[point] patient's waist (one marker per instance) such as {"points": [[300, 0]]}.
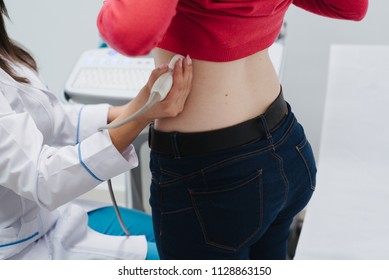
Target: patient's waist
{"points": [[209, 109], [224, 94]]}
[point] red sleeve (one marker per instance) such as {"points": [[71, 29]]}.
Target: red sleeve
{"points": [[341, 9], [134, 27]]}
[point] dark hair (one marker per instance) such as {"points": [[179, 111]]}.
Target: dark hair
{"points": [[10, 51]]}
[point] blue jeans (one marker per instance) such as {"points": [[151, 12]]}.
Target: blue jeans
{"points": [[235, 204]]}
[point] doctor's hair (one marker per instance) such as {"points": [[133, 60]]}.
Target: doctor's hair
{"points": [[12, 52]]}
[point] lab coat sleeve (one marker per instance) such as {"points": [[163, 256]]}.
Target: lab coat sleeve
{"points": [[82, 121], [134, 27], [90, 118], [341, 9], [53, 176]]}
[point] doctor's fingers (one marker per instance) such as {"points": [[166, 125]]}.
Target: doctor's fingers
{"points": [[183, 73], [182, 81]]}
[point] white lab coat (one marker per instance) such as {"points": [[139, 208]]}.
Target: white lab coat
{"points": [[49, 155]]}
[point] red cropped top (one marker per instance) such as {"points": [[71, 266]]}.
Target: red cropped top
{"points": [[213, 30]]}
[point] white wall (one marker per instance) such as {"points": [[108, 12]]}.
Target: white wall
{"points": [[308, 40], [56, 32]]}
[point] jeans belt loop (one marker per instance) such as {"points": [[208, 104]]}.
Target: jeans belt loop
{"points": [[174, 143]]}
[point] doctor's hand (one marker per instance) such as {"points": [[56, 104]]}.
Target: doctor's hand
{"points": [[174, 103], [171, 106]]}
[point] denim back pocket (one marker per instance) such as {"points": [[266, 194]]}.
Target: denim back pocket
{"points": [[304, 149], [231, 215]]}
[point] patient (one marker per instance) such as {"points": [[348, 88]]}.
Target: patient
{"points": [[232, 170], [51, 154]]}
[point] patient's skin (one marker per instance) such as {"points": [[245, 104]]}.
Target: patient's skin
{"points": [[221, 90]]}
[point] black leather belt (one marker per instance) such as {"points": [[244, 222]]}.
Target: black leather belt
{"points": [[180, 144]]}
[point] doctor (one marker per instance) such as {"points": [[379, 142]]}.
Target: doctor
{"points": [[51, 154]]}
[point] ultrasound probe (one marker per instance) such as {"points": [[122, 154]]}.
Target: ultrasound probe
{"points": [[159, 91]]}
